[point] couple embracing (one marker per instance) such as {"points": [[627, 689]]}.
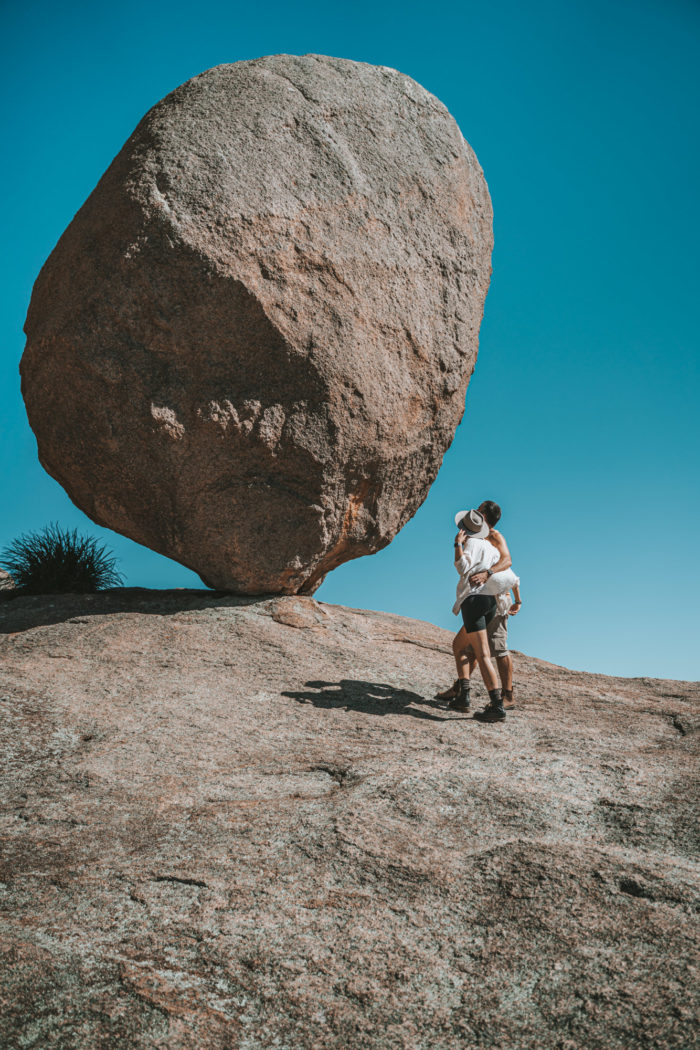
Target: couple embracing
{"points": [[486, 582]]}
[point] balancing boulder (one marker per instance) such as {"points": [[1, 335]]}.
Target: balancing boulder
{"points": [[250, 348]]}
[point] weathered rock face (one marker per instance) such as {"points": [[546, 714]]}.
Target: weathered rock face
{"points": [[250, 348], [231, 823]]}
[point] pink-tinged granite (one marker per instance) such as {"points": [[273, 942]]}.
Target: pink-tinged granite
{"points": [[235, 823], [250, 348]]}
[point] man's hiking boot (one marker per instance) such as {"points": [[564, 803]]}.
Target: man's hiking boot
{"points": [[449, 694], [462, 701], [508, 701], [493, 712]]}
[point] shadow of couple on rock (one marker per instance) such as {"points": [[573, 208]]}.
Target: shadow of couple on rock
{"points": [[371, 698]]}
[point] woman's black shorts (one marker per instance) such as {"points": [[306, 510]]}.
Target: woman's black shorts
{"points": [[477, 611]]}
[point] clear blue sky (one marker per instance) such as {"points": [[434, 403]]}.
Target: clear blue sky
{"points": [[581, 416]]}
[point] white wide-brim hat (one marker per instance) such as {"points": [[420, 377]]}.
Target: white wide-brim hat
{"points": [[473, 523]]}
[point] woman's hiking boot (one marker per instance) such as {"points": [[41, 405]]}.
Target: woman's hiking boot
{"points": [[449, 694], [462, 700], [493, 712]]}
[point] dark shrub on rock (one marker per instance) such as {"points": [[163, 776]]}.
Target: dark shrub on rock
{"points": [[58, 561]]}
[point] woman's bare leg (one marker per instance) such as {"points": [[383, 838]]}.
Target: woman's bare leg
{"points": [[480, 644], [459, 644]]}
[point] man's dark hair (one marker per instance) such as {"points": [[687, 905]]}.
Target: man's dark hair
{"points": [[491, 511]]}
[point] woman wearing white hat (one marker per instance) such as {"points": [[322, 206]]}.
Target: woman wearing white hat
{"points": [[473, 553]]}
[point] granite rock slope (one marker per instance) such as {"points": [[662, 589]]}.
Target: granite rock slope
{"points": [[250, 349], [242, 823]]}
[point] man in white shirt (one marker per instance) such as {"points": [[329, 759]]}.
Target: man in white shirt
{"points": [[497, 629], [483, 561], [472, 554]]}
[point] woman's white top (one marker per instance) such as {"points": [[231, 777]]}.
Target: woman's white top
{"points": [[479, 555]]}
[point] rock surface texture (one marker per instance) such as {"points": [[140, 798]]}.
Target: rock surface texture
{"points": [[250, 349], [231, 823]]}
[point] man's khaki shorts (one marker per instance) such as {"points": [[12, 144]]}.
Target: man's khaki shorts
{"points": [[497, 634]]}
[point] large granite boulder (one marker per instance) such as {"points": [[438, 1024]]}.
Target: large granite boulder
{"points": [[250, 349]]}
